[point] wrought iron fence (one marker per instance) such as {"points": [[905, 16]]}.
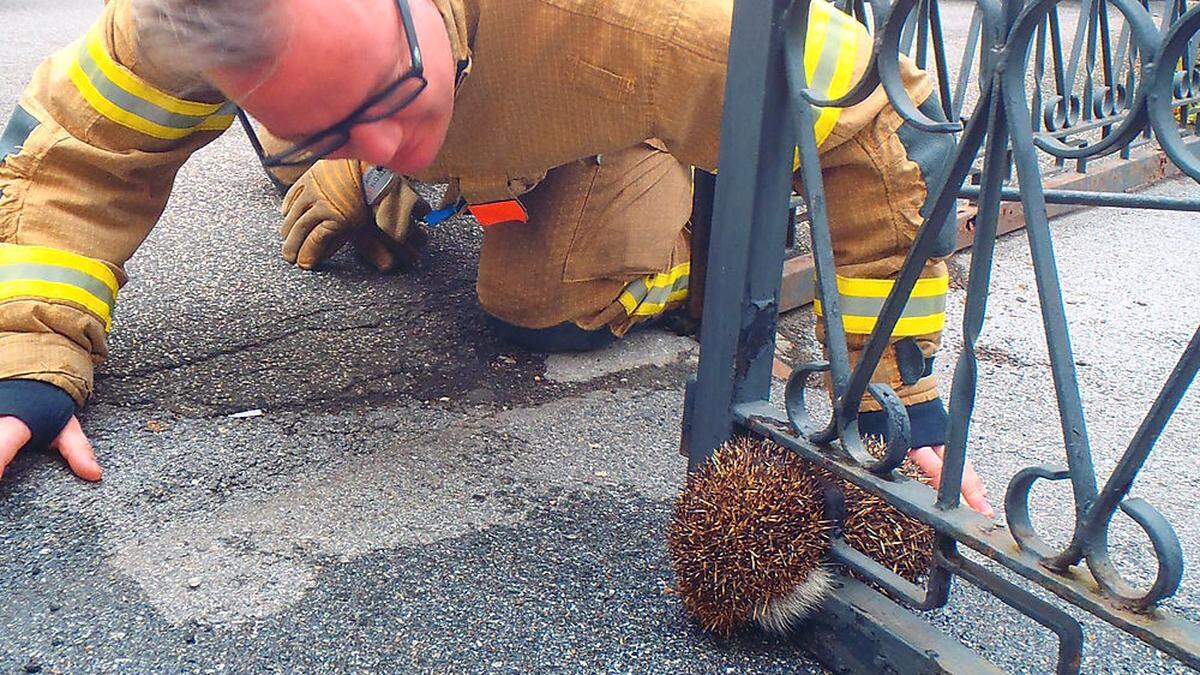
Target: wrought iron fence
{"points": [[1122, 80]]}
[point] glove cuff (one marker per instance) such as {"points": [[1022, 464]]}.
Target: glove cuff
{"points": [[44, 408]]}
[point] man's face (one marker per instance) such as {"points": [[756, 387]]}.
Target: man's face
{"points": [[336, 55]]}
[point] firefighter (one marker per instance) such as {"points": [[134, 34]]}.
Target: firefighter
{"points": [[567, 128]]}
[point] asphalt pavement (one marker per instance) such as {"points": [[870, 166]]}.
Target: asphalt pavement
{"points": [[346, 471]]}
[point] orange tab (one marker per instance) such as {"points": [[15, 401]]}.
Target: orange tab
{"points": [[493, 213]]}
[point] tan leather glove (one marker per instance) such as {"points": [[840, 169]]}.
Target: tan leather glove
{"points": [[326, 208], [395, 241]]}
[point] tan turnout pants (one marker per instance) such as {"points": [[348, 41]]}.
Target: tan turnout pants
{"points": [[595, 226], [599, 225]]}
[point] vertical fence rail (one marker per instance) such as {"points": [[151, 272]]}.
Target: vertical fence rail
{"points": [[1121, 79]]}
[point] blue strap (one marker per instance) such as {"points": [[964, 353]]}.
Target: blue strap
{"points": [[440, 216], [20, 126]]}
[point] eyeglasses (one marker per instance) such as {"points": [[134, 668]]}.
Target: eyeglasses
{"points": [[396, 97]]}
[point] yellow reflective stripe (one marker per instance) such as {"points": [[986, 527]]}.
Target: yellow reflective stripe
{"points": [[814, 50], [40, 255], [628, 303], [127, 119], [861, 301], [125, 79], [50, 290], [880, 288], [840, 86], [183, 118], [652, 308], [814, 38], [651, 295], [830, 52], [51, 274], [640, 302]]}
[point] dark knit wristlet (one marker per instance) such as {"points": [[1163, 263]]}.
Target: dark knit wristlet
{"points": [[44, 408]]}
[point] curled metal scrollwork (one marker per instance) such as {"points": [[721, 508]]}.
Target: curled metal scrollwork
{"points": [[1123, 126], [1094, 549], [1126, 95], [801, 422], [1162, 90], [1095, 94]]}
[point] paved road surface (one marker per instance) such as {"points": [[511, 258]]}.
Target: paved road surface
{"points": [[417, 495]]}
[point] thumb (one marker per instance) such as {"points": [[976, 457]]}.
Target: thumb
{"points": [[320, 245], [929, 460], [974, 493], [930, 464], [75, 447]]}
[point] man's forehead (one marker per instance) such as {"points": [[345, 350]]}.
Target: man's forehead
{"points": [[326, 66]]}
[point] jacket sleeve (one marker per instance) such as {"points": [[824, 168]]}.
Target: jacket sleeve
{"points": [[688, 87], [87, 163]]}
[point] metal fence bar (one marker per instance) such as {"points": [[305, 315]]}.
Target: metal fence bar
{"points": [[749, 202], [1132, 83], [1085, 198]]}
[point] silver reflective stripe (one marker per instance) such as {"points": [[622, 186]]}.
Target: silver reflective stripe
{"points": [[134, 105], [659, 295], [62, 275], [822, 77], [858, 306]]}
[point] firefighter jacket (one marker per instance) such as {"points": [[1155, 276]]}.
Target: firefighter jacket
{"points": [[91, 152]]}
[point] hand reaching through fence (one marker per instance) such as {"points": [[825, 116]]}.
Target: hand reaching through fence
{"points": [[931, 458]]}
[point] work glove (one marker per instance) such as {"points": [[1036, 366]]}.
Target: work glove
{"points": [[327, 208]]}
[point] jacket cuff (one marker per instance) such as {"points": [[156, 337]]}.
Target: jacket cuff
{"points": [[49, 358]]}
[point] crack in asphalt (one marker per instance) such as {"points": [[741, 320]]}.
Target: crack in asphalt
{"points": [[234, 350]]}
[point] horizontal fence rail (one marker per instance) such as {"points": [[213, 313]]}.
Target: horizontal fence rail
{"points": [[1030, 93]]}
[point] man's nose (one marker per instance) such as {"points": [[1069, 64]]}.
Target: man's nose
{"points": [[375, 143]]}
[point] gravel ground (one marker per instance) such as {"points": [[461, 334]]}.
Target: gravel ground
{"points": [[414, 497]]}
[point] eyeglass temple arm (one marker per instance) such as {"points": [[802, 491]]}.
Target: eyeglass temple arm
{"points": [[258, 150]]}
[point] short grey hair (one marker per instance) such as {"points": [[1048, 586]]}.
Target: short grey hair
{"points": [[197, 35]]}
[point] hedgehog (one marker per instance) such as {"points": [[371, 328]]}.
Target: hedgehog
{"points": [[749, 537]]}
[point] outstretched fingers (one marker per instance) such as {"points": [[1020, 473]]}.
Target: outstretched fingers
{"points": [[13, 436], [930, 460]]}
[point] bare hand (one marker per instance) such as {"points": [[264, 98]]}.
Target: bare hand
{"points": [[930, 460], [71, 443]]}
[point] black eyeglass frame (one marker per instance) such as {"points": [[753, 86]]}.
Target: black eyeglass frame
{"points": [[337, 135]]}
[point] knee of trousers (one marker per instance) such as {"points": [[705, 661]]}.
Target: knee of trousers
{"points": [[523, 297], [594, 228]]}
